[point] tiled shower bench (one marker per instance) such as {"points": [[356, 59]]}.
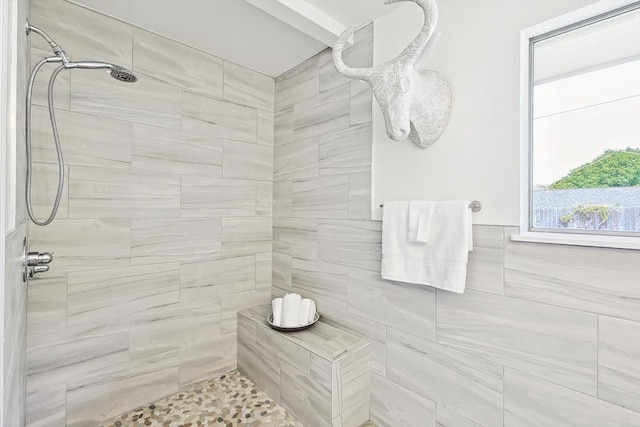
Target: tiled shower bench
{"points": [[321, 375]]}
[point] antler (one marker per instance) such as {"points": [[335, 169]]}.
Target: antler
{"points": [[354, 73], [415, 48], [409, 55]]}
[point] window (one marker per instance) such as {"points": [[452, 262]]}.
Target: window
{"points": [[581, 128]]}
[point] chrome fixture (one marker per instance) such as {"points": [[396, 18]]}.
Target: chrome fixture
{"points": [[474, 205], [116, 71], [33, 262]]}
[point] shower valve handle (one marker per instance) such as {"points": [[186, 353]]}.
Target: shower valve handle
{"points": [[37, 269], [38, 259]]}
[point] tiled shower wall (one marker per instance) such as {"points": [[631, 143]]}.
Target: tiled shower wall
{"points": [[545, 335], [164, 231]]}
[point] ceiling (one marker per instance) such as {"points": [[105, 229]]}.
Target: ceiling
{"points": [[269, 36]]}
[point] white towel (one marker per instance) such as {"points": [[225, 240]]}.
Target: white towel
{"points": [[304, 311], [291, 305], [442, 263], [312, 312], [419, 221], [276, 308]]}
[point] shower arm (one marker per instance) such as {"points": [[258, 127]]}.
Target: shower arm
{"points": [[54, 46]]}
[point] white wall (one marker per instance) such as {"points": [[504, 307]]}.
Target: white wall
{"points": [[477, 157]]}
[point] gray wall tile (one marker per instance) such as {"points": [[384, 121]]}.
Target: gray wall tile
{"points": [[176, 64], [306, 399], [485, 269], [394, 405], [101, 193], [176, 152], [356, 398], [283, 126], [103, 296], [297, 84], [404, 306], [259, 365], [324, 197], [456, 380], [202, 197], [47, 308], [148, 101], [207, 359], [74, 351], [345, 151], [448, 418], [296, 237], [352, 243], [292, 353], [175, 239], [173, 327], [241, 236], [532, 402], [104, 393], [215, 117], [360, 195], [232, 303], [371, 331], [209, 279], [249, 161], [86, 140], [323, 113], [589, 279], [66, 238], [296, 160], [282, 198], [247, 87], [619, 362], [281, 270], [325, 283], [266, 128], [264, 198], [47, 406], [553, 343], [44, 189]]}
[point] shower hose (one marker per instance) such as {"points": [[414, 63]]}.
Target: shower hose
{"points": [[54, 127]]}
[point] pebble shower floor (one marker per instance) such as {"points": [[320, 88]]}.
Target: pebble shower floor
{"points": [[230, 400], [227, 401]]}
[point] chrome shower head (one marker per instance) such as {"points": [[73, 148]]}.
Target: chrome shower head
{"points": [[122, 74], [117, 72]]}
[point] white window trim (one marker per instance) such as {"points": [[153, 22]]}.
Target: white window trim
{"points": [[526, 235]]}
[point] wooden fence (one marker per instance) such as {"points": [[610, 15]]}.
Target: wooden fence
{"points": [[620, 219]]}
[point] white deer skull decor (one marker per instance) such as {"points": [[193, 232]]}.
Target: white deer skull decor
{"points": [[414, 104]]}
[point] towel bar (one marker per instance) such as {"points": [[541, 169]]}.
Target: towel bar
{"points": [[474, 205]]}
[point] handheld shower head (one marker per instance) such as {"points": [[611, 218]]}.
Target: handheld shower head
{"points": [[117, 72], [122, 74]]}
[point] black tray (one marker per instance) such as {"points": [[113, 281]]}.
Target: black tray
{"points": [[292, 329]]}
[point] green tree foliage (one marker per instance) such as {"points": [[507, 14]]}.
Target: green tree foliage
{"points": [[614, 168], [588, 216]]}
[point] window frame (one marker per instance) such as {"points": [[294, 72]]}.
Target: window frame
{"points": [[570, 21]]}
